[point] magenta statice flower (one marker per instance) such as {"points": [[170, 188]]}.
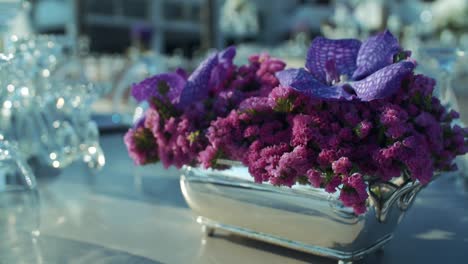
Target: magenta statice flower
{"points": [[342, 166], [153, 120], [393, 114], [264, 160], [183, 106], [355, 115], [267, 68], [208, 157], [315, 177], [141, 144], [251, 131], [364, 128], [354, 193], [258, 104], [332, 184], [293, 164], [327, 157], [304, 130], [178, 142]]}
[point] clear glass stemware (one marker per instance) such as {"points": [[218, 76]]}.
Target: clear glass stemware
{"points": [[442, 60], [19, 201]]}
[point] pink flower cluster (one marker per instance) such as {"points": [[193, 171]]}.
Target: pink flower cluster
{"points": [[286, 137], [176, 135], [141, 144]]}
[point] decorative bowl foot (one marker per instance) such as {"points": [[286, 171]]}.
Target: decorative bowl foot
{"points": [[209, 226], [208, 231]]}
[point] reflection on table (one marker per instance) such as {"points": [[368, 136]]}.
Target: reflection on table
{"points": [[128, 214]]}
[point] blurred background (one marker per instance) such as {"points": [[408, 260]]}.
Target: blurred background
{"points": [[187, 26], [66, 69], [115, 43], [67, 66]]}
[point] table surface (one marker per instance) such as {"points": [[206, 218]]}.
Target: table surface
{"points": [[128, 214]]}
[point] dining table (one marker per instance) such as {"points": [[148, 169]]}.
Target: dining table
{"points": [[125, 213]]}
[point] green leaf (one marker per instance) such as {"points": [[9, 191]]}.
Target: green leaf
{"points": [[284, 105], [165, 109], [193, 136]]}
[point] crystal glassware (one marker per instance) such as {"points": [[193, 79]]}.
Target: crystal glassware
{"points": [[19, 201], [19, 208], [45, 106], [442, 60]]}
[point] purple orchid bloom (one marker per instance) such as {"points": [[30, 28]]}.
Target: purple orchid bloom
{"points": [[182, 90], [348, 69]]}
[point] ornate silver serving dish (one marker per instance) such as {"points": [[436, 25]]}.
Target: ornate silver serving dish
{"points": [[301, 217]]}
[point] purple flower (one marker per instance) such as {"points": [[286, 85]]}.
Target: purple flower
{"points": [[257, 104], [208, 157], [211, 71], [287, 136], [326, 157], [141, 144], [334, 182], [346, 134], [152, 120], [268, 66], [303, 131], [295, 162], [420, 166], [287, 100], [251, 131], [425, 120], [263, 163], [354, 193], [164, 85], [454, 114], [422, 85], [179, 142], [364, 129], [182, 91], [393, 114], [411, 142], [342, 166], [345, 69], [395, 151], [315, 177], [352, 118]]}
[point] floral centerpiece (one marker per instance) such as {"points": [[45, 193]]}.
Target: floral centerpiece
{"points": [[356, 124], [357, 113]]}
